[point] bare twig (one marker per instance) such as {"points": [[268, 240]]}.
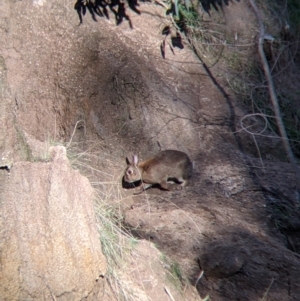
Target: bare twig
{"points": [[199, 277], [75, 128], [273, 96], [253, 134], [267, 291], [169, 293]]}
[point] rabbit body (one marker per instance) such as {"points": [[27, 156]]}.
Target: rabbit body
{"points": [[167, 165]]}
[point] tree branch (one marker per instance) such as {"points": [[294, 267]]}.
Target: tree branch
{"points": [[273, 96]]}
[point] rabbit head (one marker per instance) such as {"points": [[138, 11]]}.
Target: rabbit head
{"points": [[132, 171]]}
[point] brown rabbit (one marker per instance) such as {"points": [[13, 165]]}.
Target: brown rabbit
{"points": [[167, 165]]}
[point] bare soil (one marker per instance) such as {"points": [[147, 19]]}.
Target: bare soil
{"points": [[107, 90]]}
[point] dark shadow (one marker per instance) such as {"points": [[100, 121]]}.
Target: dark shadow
{"points": [[100, 8], [237, 255], [284, 216], [119, 12], [117, 7], [128, 185], [5, 168], [209, 4], [176, 41], [234, 255], [133, 4]]}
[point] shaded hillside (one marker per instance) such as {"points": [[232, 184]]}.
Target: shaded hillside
{"points": [[105, 91]]}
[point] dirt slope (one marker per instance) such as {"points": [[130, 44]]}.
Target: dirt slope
{"points": [[112, 82]]}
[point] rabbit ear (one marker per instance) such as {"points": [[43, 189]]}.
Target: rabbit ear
{"points": [[135, 159], [128, 161]]}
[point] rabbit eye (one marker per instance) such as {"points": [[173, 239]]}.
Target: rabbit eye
{"points": [[129, 171]]}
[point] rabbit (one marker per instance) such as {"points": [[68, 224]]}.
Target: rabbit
{"points": [[172, 165]]}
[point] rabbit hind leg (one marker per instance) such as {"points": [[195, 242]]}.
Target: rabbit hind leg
{"points": [[164, 184], [182, 182]]}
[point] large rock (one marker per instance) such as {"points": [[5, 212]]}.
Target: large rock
{"points": [[49, 244]]}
